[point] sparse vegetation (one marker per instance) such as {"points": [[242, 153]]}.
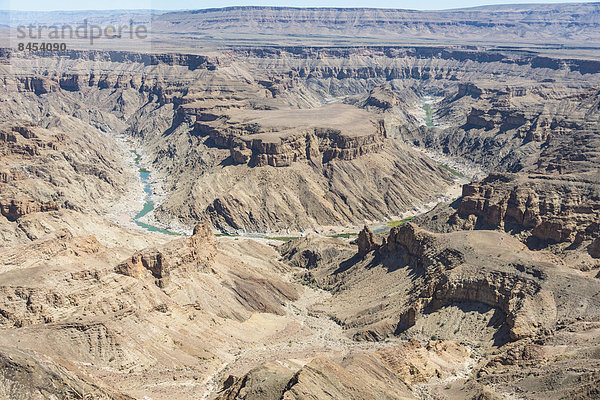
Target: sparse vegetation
{"points": [[391, 224], [345, 235], [312, 131], [428, 115], [451, 170], [137, 156]]}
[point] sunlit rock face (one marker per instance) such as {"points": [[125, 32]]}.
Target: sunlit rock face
{"points": [[385, 208]]}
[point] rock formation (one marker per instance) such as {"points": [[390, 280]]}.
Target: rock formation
{"points": [[197, 251], [422, 274], [389, 373], [504, 201], [279, 138], [377, 114], [366, 241], [594, 248], [528, 307], [518, 25], [13, 209], [313, 251]]}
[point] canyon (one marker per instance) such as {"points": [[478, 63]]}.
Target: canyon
{"points": [[399, 205]]}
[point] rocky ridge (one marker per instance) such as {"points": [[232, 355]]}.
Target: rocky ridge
{"points": [[493, 295], [534, 208]]}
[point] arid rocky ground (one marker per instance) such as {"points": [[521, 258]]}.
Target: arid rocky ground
{"points": [[268, 159]]}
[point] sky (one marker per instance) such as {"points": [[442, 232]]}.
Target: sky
{"points": [[46, 5]]}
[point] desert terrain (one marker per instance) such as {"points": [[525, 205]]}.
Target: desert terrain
{"points": [[398, 205]]}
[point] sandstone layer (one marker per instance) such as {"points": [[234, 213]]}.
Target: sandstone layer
{"points": [[493, 294]]}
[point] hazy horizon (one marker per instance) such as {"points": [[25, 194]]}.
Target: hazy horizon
{"points": [[164, 5]]}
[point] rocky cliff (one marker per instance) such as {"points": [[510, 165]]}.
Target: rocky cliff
{"points": [[197, 252], [501, 201], [13, 209], [64, 168], [417, 280], [520, 24], [529, 308], [260, 141], [499, 298]]}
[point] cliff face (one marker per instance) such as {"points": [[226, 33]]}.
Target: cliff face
{"points": [[425, 279], [287, 67], [279, 146], [65, 167], [541, 126], [530, 310], [190, 61], [22, 140], [196, 252], [15, 208], [552, 211], [563, 23]]}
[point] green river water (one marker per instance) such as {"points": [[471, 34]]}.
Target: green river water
{"points": [[148, 204]]}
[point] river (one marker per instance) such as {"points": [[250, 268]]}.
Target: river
{"points": [[148, 203], [381, 227]]}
